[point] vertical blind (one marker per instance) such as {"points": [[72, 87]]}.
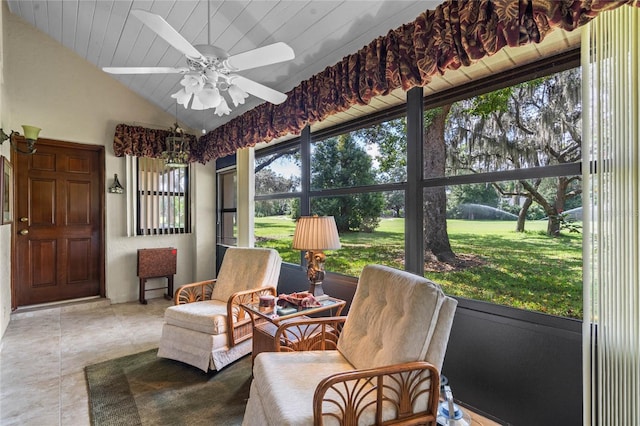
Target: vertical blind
{"points": [[162, 203], [611, 130]]}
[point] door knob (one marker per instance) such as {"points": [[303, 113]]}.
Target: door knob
{"points": [[24, 219], [24, 232]]}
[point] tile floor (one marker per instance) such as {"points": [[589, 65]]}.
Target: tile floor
{"points": [[43, 354]]}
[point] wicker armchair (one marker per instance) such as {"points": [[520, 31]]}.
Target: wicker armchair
{"points": [[207, 327], [385, 366]]}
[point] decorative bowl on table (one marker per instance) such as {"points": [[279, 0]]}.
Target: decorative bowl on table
{"points": [[300, 300]]}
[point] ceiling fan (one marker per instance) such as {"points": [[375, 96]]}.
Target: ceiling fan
{"points": [[210, 70]]}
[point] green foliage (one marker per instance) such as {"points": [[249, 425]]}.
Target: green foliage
{"points": [[531, 124], [429, 116], [394, 204], [568, 223], [273, 207], [524, 270], [489, 103], [340, 163], [390, 139]]}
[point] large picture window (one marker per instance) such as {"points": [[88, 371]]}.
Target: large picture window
{"points": [[513, 236], [500, 183]]}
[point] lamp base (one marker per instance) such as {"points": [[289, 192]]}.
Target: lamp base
{"points": [[316, 289]]}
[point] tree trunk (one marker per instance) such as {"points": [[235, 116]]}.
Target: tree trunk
{"points": [[436, 238], [553, 225], [522, 215]]}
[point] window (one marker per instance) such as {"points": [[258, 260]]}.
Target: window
{"points": [[278, 181], [503, 253], [371, 155], [500, 182], [371, 230], [227, 211], [163, 198], [275, 225], [355, 175], [504, 226], [278, 172]]}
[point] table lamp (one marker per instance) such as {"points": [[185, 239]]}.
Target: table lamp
{"points": [[314, 234]]}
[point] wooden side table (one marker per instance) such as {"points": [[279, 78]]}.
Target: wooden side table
{"points": [[156, 263], [264, 332]]}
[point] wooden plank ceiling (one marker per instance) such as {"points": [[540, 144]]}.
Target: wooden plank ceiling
{"points": [[320, 33]]}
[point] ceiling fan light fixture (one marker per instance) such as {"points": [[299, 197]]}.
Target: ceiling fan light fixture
{"points": [[223, 108], [182, 97], [237, 95], [209, 68], [209, 97], [211, 75], [192, 83], [197, 104]]}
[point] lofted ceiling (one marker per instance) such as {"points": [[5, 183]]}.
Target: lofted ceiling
{"points": [[321, 33]]}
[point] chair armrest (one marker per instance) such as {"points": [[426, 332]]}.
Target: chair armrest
{"points": [[239, 326], [309, 334], [412, 389], [194, 292]]}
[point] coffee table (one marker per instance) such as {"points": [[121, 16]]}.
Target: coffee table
{"points": [[267, 320]]}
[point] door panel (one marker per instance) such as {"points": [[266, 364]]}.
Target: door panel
{"points": [[78, 203], [79, 260], [42, 252], [59, 236], [42, 194]]}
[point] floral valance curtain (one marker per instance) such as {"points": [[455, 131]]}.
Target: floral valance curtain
{"points": [[457, 33], [144, 142]]}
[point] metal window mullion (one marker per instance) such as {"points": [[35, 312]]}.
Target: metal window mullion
{"points": [[414, 194], [305, 177]]}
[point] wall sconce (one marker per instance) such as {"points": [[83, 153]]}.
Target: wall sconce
{"points": [[115, 187], [30, 135]]}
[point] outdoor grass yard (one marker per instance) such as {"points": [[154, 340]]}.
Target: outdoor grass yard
{"points": [[525, 270]]}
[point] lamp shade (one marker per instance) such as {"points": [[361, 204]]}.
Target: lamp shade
{"points": [[31, 132], [316, 233]]}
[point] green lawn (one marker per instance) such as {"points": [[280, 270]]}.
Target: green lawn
{"points": [[525, 270]]}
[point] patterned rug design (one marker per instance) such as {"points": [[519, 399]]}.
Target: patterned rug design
{"points": [[142, 389]]}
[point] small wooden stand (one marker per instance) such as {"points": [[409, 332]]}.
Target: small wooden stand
{"points": [[157, 263]]}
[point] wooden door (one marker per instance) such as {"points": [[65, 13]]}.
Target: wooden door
{"points": [[59, 223]]}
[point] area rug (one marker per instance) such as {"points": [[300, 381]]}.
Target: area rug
{"points": [[142, 389]]}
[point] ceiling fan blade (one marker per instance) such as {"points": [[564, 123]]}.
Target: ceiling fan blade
{"points": [[145, 70], [167, 32], [259, 90], [266, 55]]}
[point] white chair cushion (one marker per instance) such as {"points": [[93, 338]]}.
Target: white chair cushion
{"points": [[245, 269], [286, 382], [392, 318], [209, 316]]}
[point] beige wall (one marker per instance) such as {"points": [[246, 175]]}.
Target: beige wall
{"points": [[5, 230], [49, 86]]}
